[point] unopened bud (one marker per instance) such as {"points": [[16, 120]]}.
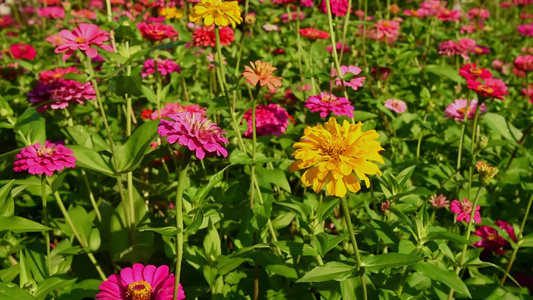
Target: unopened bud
{"points": [[430, 107], [483, 142], [486, 173]]}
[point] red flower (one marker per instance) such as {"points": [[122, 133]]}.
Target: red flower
{"points": [[53, 75], [491, 240], [471, 71], [23, 51], [314, 34], [145, 114], [156, 31], [489, 89], [205, 36]]}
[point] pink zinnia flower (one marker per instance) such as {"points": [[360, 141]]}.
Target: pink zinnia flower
{"points": [[432, 7], [54, 39], [449, 15], [528, 93], [53, 75], [271, 119], [526, 29], [463, 211], [524, 63], [457, 109], [339, 46], [52, 12], [326, 103], [172, 108], [5, 21], [338, 7], [396, 105], [355, 83], [313, 34], [307, 3], [157, 31], [439, 201], [83, 38], [62, 93], [23, 51], [139, 283], [164, 67], [271, 27], [478, 13], [195, 132], [471, 71], [467, 44], [491, 240], [84, 13], [492, 88], [285, 18], [450, 48], [40, 159], [385, 31]]}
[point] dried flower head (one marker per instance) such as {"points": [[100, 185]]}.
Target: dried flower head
{"points": [[486, 172]]}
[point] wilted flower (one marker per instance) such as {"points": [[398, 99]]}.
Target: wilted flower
{"points": [[355, 83], [271, 119], [262, 73], [335, 154], [439, 201], [491, 240], [218, 12], [385, 206], [156, 31], [396, 105], [464, 209], [195, 132], [140, 283], [326, 103], [486, 172], [457, 109], [83, 38], [164, 67], [40, 159]]}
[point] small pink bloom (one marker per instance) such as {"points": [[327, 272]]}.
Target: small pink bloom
{"points": [[339, 46], [157, 31], [83, 38], [396, 105], [285, 18], [23, 51], [385, 31], [173, 108], [449, 15], [54, 39], [463, 210], [439, 201], [140, 282], [478, 13], [457, 109], [526, 29], [471, 71], [195, 132], [271, 119], [40, 159], [524, 63], [338, 7], [84, 13], [355, 83], [491, 240], [326, 103], [164, 67], [53, 75], [52, 12]]}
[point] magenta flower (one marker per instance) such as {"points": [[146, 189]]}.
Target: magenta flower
{"points": [[326, 103], [270, 119], [450, 48], [396, 105], [525, 29], [83, 38], [40, 159], [156, 31], [140, 283], [172, 108], [62, 92], [449, 15], [463, 211], [338, 7], [195, 132], [52, 12], [457, 109], [524, 63], [491, 240], [355, 83], [164, 66], [478, 13]]}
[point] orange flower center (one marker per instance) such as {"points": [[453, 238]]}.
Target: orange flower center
{"points": [[485, 89], [80, 40], [463, 109], [334, 146], [328, 99], [475, 71], [492, 237], [414, 12], [44, 151], [386, 24], [478, 50], [139, 290]]}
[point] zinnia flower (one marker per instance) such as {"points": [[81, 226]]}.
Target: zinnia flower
{"points": [[52, 12], [385, 31], [439, 201], [140, 283], [84, 13], [171, 13], [156, 31], [40, 159], [83, 38], [53, 75], [463, 211], [486, 172], [396, 105], [491, 240], [263, 73], [326, 103], [355, 83], [218, 12], [205, 36], [195, 132], [62, 93], [470, 71], [457, 109], [492, 88], [313, 34], [164, 67], [285, 18], [172, 108], [525, 29], [450, 48], [23, 51], [335, 154], [478, 13], [5, 21], [338, 7], [524, 63], [270, 119], [449, 15]]}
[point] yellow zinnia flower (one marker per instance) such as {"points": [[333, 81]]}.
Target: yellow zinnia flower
{"points": [[335, 155], [222, 13], [171, 13]]}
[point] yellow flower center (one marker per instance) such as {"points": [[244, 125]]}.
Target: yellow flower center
{"points": [[485, 89], [386, 24], [44, 151], [462, 110], [328, 99], [414, 12], [492, 237], [139, 290], [334, 146], [475, 71], [80, 40]]}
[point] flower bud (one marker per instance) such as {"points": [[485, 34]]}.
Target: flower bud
{"points": [[483, 142], [486, 172], [430, 107]]}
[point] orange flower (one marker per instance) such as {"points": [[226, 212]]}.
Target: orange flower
{"points": [[261, 72]]}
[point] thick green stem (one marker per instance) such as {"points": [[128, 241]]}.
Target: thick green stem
{"points": [[348, 220], [182, 175], [520, 234], [45, 218]]}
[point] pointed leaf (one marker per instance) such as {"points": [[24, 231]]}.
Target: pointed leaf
{"points": [[333, 270], [388, 260], [130, 155], [447, 277], [18, 224]]}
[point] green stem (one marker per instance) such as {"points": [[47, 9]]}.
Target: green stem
{"points": [[334, 45], [462, 138], [520, 234], [299, 45], [91, 196], [473, 145], [182, 175], [467, 237], [345, 29], [420, 137], [348, 220], [45, 218]]}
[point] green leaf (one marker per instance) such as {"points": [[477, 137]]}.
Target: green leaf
{"points": [[52, 284], [502, 126], [32, 125], [360, 116], [167, 230], [149, 94], [12, 291], [275, 176], [212, 241], [325, 242], [86, 137], [91, 160], [130, 155], [76, 77], [526, 241], [388, 260], [18, 224], [445, 71], [446, 235], [333, 270], [130, 85], [7, 204], [237, 157], [202, 193], [446, 277]]}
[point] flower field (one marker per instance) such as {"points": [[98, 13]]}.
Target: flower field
{"points": [[266, 149]]}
